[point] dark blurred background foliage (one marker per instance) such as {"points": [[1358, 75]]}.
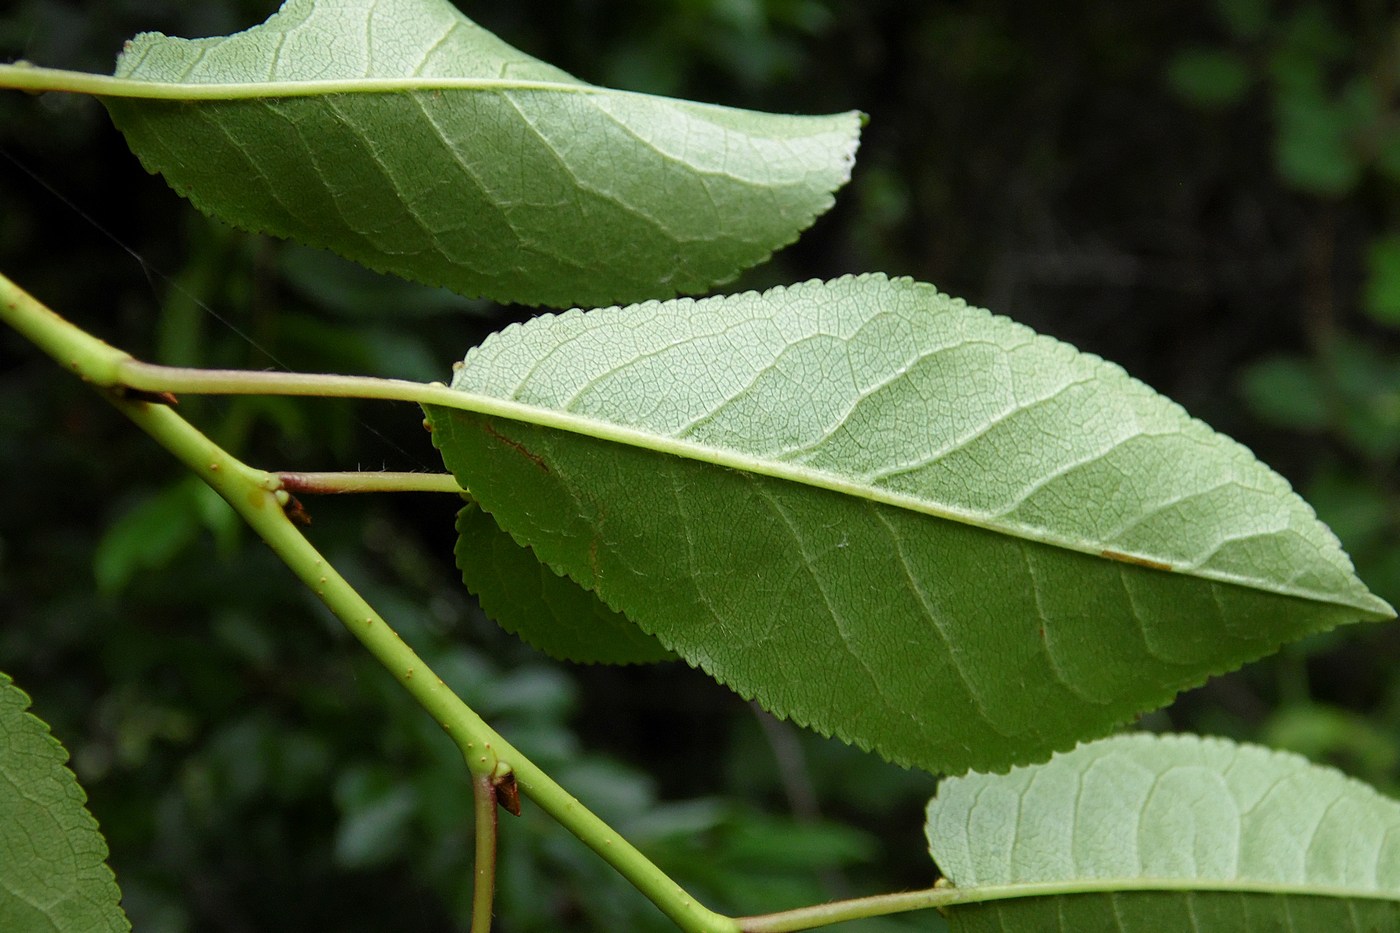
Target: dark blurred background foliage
{"points": [[1205, 192]]}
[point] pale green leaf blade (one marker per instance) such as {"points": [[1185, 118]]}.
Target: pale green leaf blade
{"points": [[894, 518], [1194, 911], [552, 613], [1168, 832], [404, 136], [53, 859]]}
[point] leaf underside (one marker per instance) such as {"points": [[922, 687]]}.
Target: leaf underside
{"points": [[1197, 911], [53, 871], [926, 530], [552, 613], [1304, 844], [537, 188]]}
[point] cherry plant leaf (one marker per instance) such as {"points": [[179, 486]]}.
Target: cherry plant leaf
{"points": [[1146, 833], [53, 859], [550, 612], [892, 517], [404, 136]]}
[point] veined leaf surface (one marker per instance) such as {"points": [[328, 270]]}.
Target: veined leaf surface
{"points": [[53, 873], [553, 613], [892, 517], [404, 136], [1144, 833]]}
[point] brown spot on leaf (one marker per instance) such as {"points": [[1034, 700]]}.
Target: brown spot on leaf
{"points": [[1136, 561], [524, 451]]}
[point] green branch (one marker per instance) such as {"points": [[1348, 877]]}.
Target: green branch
{"points": [[144, 393], [484, 884], [860, 908], [259, 499], [381, 481]]}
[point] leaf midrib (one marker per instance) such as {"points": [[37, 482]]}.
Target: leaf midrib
{"points": [[1001, 892], [34, 78], [819, 479]]}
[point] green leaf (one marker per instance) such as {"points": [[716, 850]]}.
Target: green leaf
{"points": [[377, 812], [146, 536], [1382, 296], [551, 612], [1388, 151], [1367, 381], [1327, 733], [1196, 911], [357, 294], [1211, 78], [1352, 504], [404, 136], [1168, 833], [53, 868], [1288, 391], [892, 517], [1246, 19], [153, 531], [1324, 138], [1314, 148]]}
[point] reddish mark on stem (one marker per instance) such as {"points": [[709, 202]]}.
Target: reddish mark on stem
{"points": [[300, 482], [524, 451], [1136, 561]]}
